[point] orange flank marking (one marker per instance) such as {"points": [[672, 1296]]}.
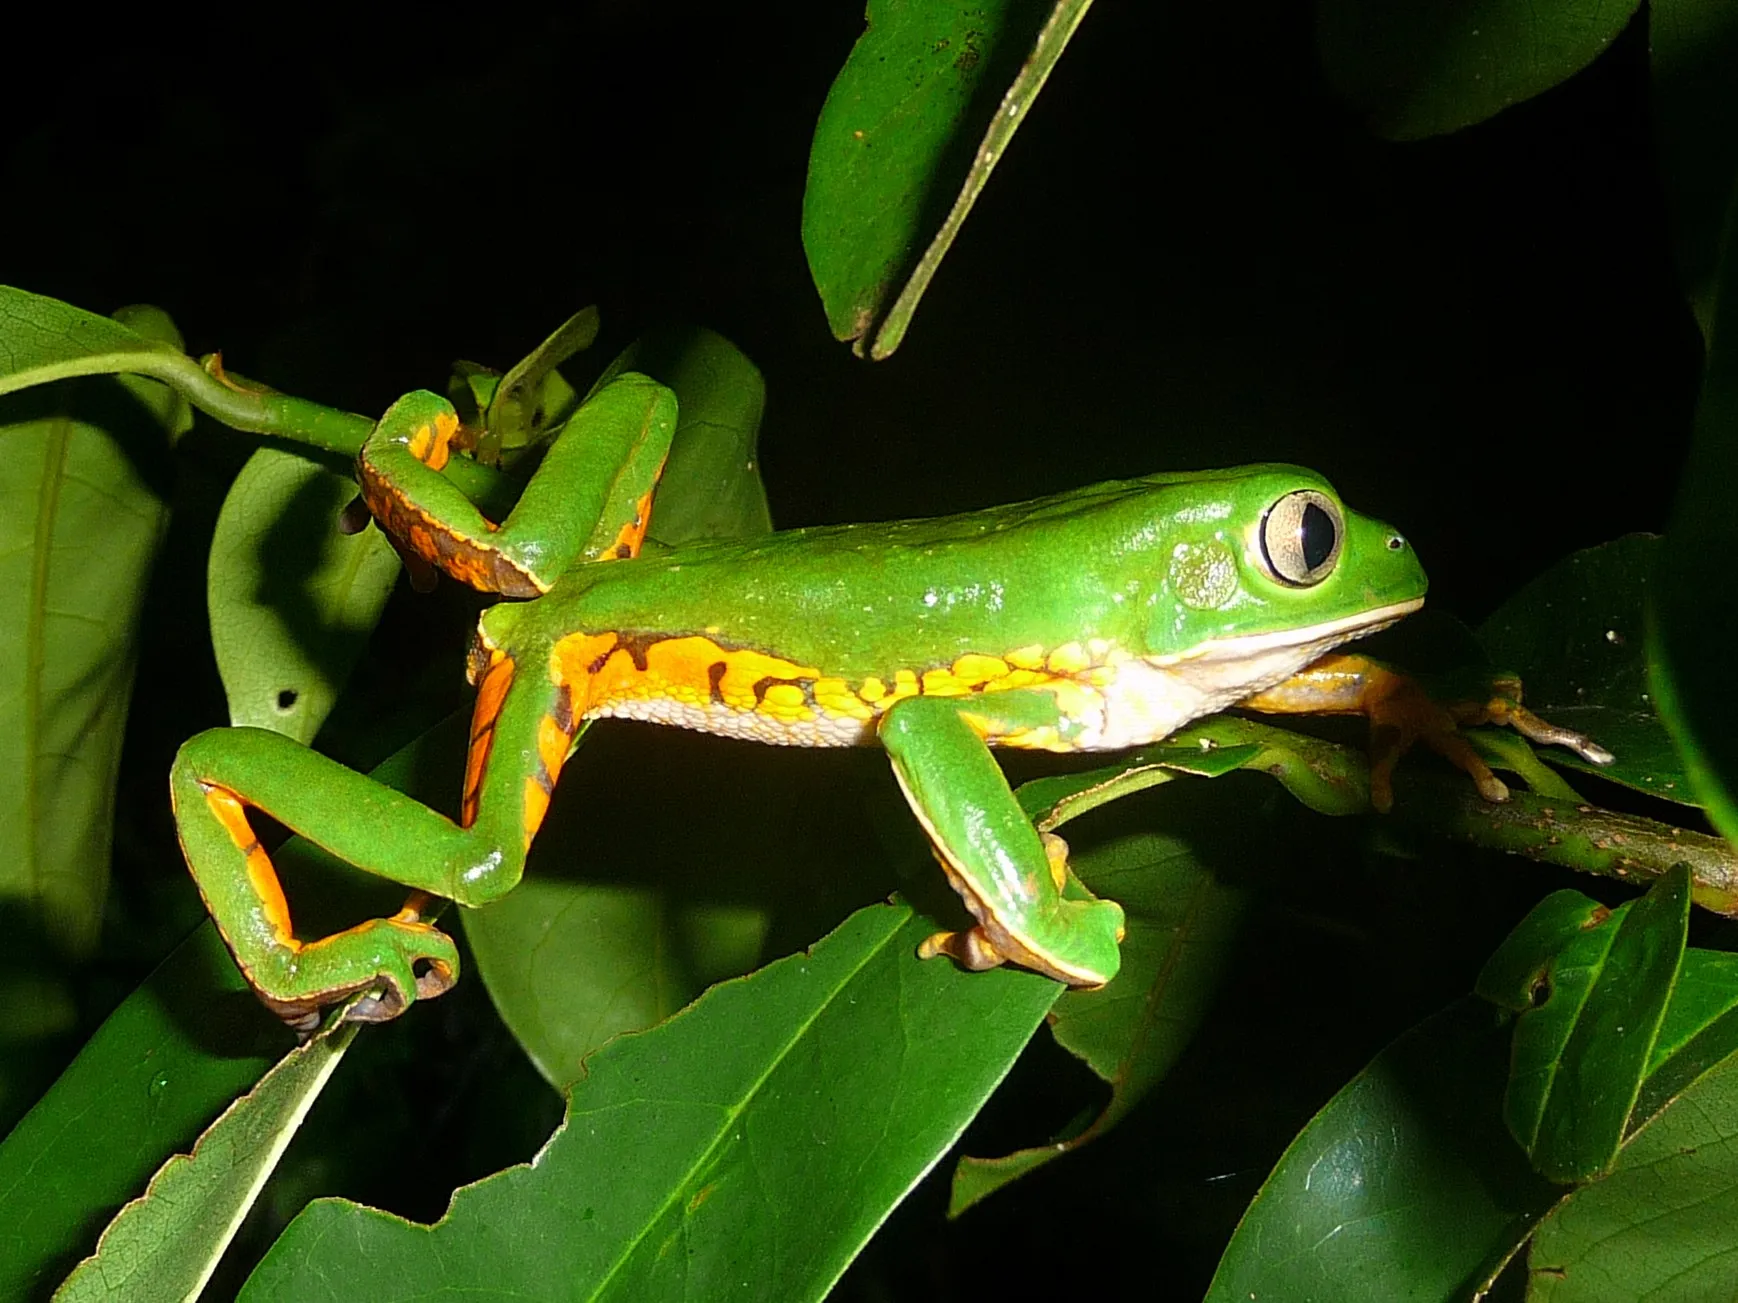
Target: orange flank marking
{"points": [[490, 694], [942, 683], [684, 676], [601, 668], [1069, 658], [974, 670], [836, 698], [229, 811]]}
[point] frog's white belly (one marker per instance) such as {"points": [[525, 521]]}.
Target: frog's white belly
{"points": [[1152, 697]]}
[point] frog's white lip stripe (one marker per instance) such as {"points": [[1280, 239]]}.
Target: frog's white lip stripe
{"points": [[1329, 631]]}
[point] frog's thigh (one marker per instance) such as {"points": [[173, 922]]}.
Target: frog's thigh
{"points": [[993, 856]]}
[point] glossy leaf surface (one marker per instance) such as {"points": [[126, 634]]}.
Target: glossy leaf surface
{"points": [[1581, 1055], [711, 487], [43, 339], [1405, 1185]]}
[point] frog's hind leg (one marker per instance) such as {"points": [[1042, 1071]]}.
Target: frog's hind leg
{"points": [[589, 500], [218, 775], [1030, 909]]}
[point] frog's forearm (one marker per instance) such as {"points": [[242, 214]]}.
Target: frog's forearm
{"points": [[1029, 909]]}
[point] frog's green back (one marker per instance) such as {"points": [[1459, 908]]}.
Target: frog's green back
{"points": [[1154, 566]]}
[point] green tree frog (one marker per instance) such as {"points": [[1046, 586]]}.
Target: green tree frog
{"points": [[1102, 618]]}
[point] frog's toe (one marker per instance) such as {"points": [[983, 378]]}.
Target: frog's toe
{"points": [[1534, 729], [1454, 748], [972, 949], [417, 962]]}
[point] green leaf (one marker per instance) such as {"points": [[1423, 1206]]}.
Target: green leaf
{"points": [[711, 486], [1694, 110], [903, 119], [158, 1070], [1694, 595], [167, 1242], [1182, 924], [81, 517], [1427, 69], [1511, 977], [292, 600], [573, 964], [759, 1137], [1698, 1033], [1577, 635], [1658, 1226], [1581, 1055], [1404, 1186], [43, 339]]}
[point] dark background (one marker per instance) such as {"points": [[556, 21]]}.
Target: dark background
{"points": [[1193, 255]]}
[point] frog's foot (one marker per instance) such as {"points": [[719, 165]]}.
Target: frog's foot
{"points": [[1405, 715], [973, 950], [1075, 913], [406, 959], [1402, 713], [1505, 708]]}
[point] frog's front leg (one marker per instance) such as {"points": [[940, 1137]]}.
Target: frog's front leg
{"points": [[1401, 713], [220, 773], [1030, 909]]}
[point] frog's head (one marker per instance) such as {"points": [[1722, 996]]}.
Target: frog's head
{"points": [[1264, 569]]}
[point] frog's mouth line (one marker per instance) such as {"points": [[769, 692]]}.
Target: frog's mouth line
{"points": [[1327, 634]]}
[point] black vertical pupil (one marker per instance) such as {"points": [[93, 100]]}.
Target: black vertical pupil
{"points": [[1315, 533]]}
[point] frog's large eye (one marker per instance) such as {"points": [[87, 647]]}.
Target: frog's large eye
{"points": [[1301, 536]]}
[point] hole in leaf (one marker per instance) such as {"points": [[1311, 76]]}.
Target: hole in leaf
{"points": [[287, 698]]}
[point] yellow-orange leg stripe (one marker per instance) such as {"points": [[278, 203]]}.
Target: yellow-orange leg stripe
{"points": [[554, 734], [536, 806], [229, 811], [633, 533], [490, 694], [552, 740]]}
